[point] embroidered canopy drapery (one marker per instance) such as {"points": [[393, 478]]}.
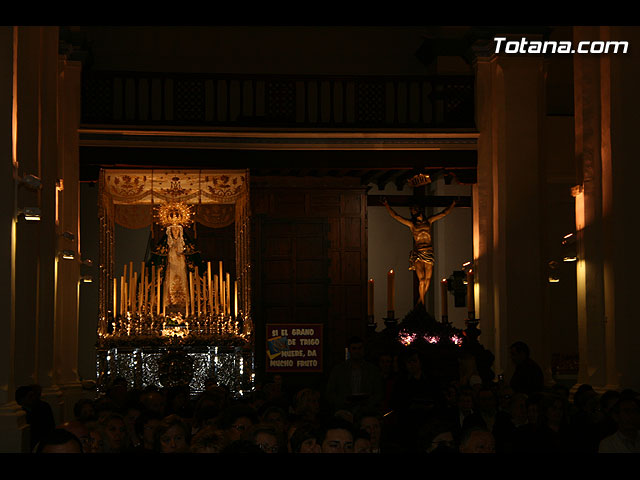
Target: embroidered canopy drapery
{"points": [[132, 193], [189, 186]]}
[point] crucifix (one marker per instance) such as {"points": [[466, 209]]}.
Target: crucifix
{"points": [[422, 256]]}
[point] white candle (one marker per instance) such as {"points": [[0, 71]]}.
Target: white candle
{"points": [[235, 300], [191, 291], [209, 289], [222, 307], [197, 291], [228, 292], [122, 295], [216, 295], [153, 290], [142, 285], [158, 295], [391, 290], [134, 298], [444, 298]]}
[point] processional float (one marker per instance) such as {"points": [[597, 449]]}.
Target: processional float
{"points": [[173, 317]]}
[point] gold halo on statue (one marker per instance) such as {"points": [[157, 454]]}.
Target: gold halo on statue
{"points": [[174, 213]]}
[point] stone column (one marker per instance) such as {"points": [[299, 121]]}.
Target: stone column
{"points": [[510, 265], [14, 432], [605, 104], [66, 330]]}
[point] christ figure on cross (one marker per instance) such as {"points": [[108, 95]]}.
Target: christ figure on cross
{"points": [[421, 258]]}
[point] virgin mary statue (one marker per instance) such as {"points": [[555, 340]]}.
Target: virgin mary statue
{"points": [[175, 289], [176, 254]]}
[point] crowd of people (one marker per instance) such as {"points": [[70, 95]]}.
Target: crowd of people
{"points": [[388, 404]]}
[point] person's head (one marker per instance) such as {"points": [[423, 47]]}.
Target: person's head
{"points": [[626, 414], [145, 427], [84, 410], [305, 439], [208, 439], [519, 352], [154, 401], [356, 348], [116, 436], [486, 401], [370, 423], [236, 420], [59, 440], [337, 437], [607, 401], [172, 436], [534, 408], [385, 364], [306, 402], [362, 442], [177, 398], [26, 396], [96, 438], [264, 436], [276, 416], [117, 391], [436, 436], [465, 399], [583, 392], [477, 440], [552, 409], [517, 408], [80, 431], [412, 362]]}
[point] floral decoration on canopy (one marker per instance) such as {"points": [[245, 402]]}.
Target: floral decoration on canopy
{"points": [[187, 186]]}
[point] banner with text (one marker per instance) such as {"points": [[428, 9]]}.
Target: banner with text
{"points": [[294, 348]]}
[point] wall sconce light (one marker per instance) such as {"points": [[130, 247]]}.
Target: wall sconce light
{"points": [[68, 236], [86, 279], [554, 277], [31, 214], [87, 263], [569, 248], [68, 254], [30, 181]]}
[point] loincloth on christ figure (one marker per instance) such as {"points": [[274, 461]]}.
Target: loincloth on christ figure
{"points": [[421, 255]]}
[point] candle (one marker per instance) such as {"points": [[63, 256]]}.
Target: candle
{"points": [[370, 308], [470, 303], [142, 285], [115, 296], [443, 298], [209, 289], [122, 295], [153, 290], [134, 298], [158, 288], [228, 292], [131, 297], [391, 290], [191, 291], [217, 293], [235, 299], [222, 307], [197, 291]]}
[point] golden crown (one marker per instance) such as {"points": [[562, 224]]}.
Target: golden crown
{"points": [[174, 213], [419, 180]]}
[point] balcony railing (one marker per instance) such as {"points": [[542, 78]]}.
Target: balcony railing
{"points": [[200, 100]]}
